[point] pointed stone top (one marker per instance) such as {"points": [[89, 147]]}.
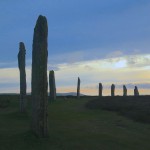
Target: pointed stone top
{"points": [[136, 88], [21, 49], [21, 45], [41, 26], [41, 16], [41, 19], [100, 85], [51, 72], [113, 85]]}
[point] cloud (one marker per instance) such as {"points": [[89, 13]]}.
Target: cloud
{"points": [[116, 71], [114, 54], [8, 64], [117, 59], [9, 80], [120, 71], [140, 85], [138, 60], [71, 57], [53, 67], [14, 64], [9, 75]]}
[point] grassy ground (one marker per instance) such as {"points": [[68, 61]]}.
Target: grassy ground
{"points": [[136, 108], [72, 126]]}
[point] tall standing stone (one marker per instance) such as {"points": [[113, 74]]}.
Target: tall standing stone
{"points": [[124, 90], [78, 88], [21, 65], [136, 92], [112, 90], [52, 85], [39, 78], [100, 89]]}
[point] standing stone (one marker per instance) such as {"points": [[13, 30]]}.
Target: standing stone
{"points": [[124, 90], [136, 92], [112, 90], [78, 88], [52, 85], [39, 78], [21, 65], [100, 89]]}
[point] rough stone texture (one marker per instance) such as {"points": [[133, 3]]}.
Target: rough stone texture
{"points": [[78, 88], [39, 79], [21, 65], [52, 85], [112, 90], [136, 92], [124, 90], [100, 89]]}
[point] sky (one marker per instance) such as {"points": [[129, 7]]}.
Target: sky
{"points": [[100, 41]]}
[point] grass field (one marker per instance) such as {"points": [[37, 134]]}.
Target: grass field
{"points": [[72, 126], [136, 108]]}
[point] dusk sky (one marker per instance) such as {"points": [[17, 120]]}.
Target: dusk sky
{"points": [[105, 41]]}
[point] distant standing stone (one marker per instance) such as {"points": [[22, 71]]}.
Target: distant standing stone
{"points": [[21, 65], [100, 89], [39, 79], [52, 85], [124, 90], [78, 88], [112, 90], [136, 92]]}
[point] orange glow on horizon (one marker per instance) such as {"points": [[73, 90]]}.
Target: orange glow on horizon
{"points": [[106, 92]]}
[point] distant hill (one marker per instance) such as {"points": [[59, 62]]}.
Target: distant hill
{"points": [[69, 94]]}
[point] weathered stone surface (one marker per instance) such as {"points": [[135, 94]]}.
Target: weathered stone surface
{"points": [[112, 90], [100, 89], [78, 88], [39, 78], [21, 65], [52, 85], [136, 92], [124, 90]]}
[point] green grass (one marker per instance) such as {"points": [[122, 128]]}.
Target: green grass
{"points": [[135, 108], [72, 126]]}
